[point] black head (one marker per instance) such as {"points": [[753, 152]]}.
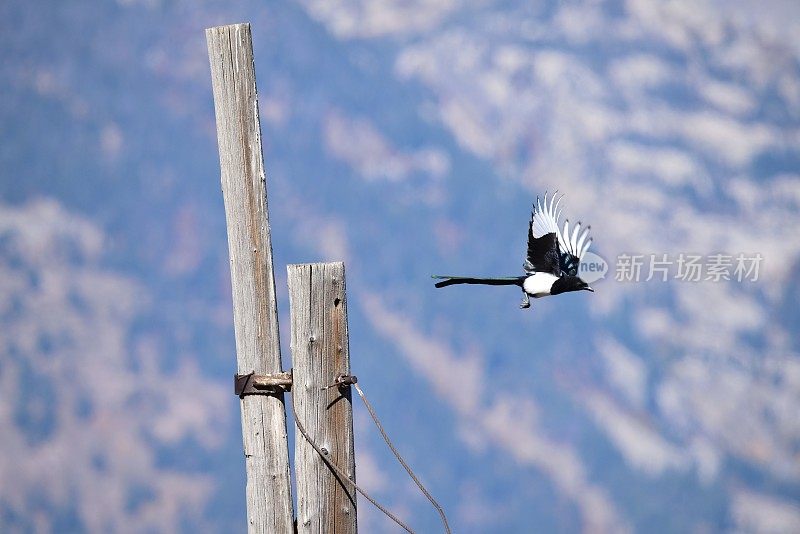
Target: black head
{"points": [[569, 283]]}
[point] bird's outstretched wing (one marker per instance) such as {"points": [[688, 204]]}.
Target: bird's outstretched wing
{"points": [[572, 242], [543, 254]]}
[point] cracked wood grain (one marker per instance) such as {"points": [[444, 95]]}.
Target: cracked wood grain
{"points": [[320, 353], [244, 189]]}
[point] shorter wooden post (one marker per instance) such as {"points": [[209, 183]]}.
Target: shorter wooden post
{"points": [[320, 354]]}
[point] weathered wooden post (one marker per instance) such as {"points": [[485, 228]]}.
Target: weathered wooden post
{"points": [[320, 354], [266, 449]]}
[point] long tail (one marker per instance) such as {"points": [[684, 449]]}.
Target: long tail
{"points": [[452, 280]]}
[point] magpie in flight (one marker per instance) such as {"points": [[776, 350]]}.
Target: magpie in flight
{"points": [[553, 257]]}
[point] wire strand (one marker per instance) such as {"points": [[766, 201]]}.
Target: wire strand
{"points": [[400, 459], [342, 474]]}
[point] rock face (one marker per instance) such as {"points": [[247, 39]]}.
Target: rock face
{"points": [[84, 408]]}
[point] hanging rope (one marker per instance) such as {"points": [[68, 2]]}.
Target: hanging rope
{"points": [[400, 459], [351, 380], [343, 475]]}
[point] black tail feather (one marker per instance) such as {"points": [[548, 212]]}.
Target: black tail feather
{"points": [[452, 280]]}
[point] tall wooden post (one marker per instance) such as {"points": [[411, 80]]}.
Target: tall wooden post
{"points": [[320, 354], [266, 450]]}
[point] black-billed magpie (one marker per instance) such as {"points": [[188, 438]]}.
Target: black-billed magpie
{"points": [[553, 256]]}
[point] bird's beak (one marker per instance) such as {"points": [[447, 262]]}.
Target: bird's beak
{"points": [[587, 288]]}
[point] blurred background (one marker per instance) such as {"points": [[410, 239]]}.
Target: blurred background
{"points": [[407, 138]]}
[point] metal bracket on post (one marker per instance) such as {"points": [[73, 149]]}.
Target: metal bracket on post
{"points": [[253, 384], [342, 381]]}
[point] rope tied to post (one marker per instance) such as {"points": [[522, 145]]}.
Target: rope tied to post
{"points": [[343, 381], [342, 475]]}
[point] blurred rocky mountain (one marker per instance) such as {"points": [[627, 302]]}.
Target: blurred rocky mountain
{"points": [[408, 138]]}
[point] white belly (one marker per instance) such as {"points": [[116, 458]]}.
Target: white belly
{"points": [[538, 284]]}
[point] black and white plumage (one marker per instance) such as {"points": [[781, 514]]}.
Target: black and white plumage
{"points": [[554, 255]]}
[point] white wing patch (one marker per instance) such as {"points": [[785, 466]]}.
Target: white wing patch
{"points": [[539, 284], [545, 220]]}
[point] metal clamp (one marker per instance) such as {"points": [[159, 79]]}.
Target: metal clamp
{"points": [[342, 381], [253, 384]]}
